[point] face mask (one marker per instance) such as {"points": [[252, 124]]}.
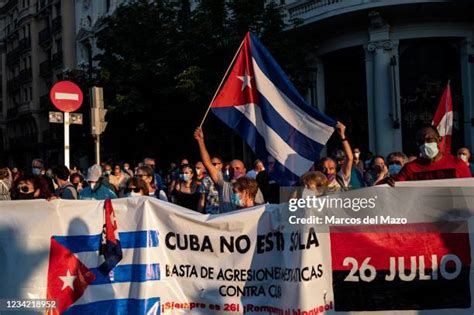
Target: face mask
{"points": [[184, 177], [134, 194], [236, 201], [429, 150], [394, 169], [92, 185], [23, 196], [331, 177], [198, 171], [107, 173], [357, 155], [36, 171], [463, 157], [237, 175], [126, 168]]}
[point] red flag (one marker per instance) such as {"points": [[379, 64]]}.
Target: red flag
{"points": [[443, 120]]}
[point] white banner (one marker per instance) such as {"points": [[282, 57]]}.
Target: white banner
{"points": [[253, 261]]}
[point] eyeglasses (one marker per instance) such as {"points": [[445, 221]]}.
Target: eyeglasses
{"points": [[141, 175], [395, 163], [134, 189]]}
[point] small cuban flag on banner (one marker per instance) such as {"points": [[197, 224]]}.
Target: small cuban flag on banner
{"points": [[110, 247], [258, 101]]}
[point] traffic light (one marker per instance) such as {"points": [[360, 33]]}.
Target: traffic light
{"points": [[98, 123]]}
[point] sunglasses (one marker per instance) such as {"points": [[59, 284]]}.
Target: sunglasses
{"points": [[135, 190]]}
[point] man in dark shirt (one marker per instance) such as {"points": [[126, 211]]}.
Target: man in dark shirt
{"points": [[432, 164]]}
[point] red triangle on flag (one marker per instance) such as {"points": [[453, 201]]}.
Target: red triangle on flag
{"points": [[240, 87], [68, 277]]}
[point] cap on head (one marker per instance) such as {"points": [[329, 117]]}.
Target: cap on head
{"points": [[93, 173]]}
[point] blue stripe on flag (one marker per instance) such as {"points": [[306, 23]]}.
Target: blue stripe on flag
{"points": [[128, 273], [273, 70], [118, 306], [89, 243], [239, 123], [303, 145]]}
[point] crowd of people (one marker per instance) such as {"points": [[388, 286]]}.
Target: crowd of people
{"points": [[212, 186]]}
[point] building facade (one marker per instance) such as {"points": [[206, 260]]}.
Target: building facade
{"points": [[381, 66], [37, 47]]}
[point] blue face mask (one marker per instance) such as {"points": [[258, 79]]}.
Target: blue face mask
{"points": [[36, 171], [236, 201], [394, 169], [184, 177]]}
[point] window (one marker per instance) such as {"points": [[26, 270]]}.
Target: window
{"points": [[107, 5]]}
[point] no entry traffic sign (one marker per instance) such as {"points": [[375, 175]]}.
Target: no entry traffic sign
{"points": [[66, 96]]}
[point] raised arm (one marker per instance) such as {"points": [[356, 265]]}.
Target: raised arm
{"points": [[206, 159], [347, 167]]}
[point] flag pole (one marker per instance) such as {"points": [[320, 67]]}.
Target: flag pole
{"points": [[220, 84]]}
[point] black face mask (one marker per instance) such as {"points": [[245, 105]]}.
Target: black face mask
{"points": [[27, 196]]}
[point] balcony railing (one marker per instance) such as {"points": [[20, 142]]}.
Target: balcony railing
{"points": [[44, 36], [56, 24], [45, 69], [57, 59]]}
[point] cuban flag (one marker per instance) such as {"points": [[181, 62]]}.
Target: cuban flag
{"points": [[259, 102], [78, 279], [110, 247], [443, 120]]}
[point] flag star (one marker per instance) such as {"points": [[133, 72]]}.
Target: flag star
{"points": [[245, 80], [68, 280]]}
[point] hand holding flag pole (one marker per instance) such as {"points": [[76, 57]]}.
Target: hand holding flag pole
{"points": [[220, 84]]}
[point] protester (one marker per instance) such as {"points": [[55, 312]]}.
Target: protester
{"points": [[65, 189], [209, 197], [118, 179], [314, 183], [146, 173], [257, 167], [127, 169], [136, 187], [97, 189], [358, 160], [185, 192], [78, 181], [30, 187], [396, 160], [158, 181], [465, 155], [200, 172], [377, 172], [6, 182], [244, 192], [338, 180], [433, 163], [224, 188]]}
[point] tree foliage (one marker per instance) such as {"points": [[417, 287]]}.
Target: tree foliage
{"points": [[162, 61]]}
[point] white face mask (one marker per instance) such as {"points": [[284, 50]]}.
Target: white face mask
{"points": [[92, 185], [463, 157], [429, 150], [356, 155]]}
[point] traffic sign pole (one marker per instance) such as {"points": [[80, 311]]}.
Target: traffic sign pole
{"points": [[67, 97], [66, 139]]}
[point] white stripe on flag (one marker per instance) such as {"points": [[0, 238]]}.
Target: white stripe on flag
{"points": [[445, 126], [123, 290], [66, 96], [275, 145], [295, 116], [131, 256]]}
